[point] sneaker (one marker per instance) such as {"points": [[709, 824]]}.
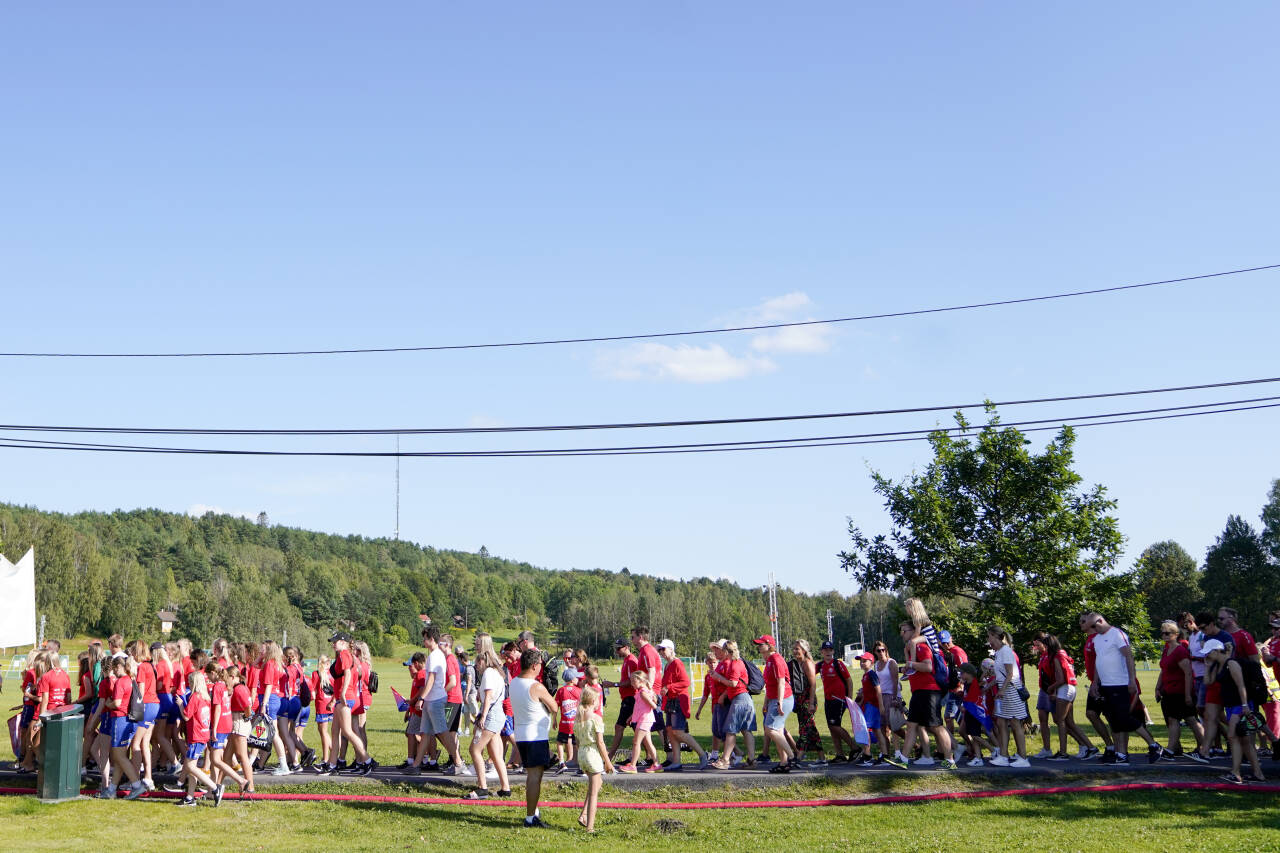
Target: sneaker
{"points": [[282, 769], [923, 761], [1153, 754], [505, 794], [947, 764], [340, 766], [452, 770], [1020, 762], [896, 760], [534, 822], [490, 772], [412, 770], [186, 802], [666, 763], [652, 768], [1060, 756], [107, 793], [959, 752], [149, 785], [309, 757], [625, 768], [839, 759], [867, 762], [818, 762], [668, 768], [1108, 757], [1195, 756], [1122, 760], [173, 787], [1167, 755], [704, 762], [999, 761], [137, 789], [643, 763], [977, 761], [1088, 752], [1042, 754], [324, 770], [217, 795], [369, 767], [736, 761]]}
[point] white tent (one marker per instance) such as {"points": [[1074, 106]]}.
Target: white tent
{"points": [[18, 601]]}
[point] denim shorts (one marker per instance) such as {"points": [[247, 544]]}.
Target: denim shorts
{"points": [[1044, 701], [741, 716], [676, 720], [270, 708], [435, 717], [718, 712], [775, 713]]}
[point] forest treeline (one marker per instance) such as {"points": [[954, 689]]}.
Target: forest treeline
{"points": [[228, 576]]}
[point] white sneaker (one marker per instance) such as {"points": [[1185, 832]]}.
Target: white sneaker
{"points": [[999, 761], [1019, 762], [977, 762], [1044, 753], [924, 761], [737, 759], [282, 769], [958, 755]]}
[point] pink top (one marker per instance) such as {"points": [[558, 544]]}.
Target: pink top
{"points": [[643, 711]]}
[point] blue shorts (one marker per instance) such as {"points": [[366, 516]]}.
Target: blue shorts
{"points": [[150, 711], [300, 721], [741, 716], [121, 731], [104, 724], [717, 721], [952, 707], [1044, 702], [195, 751], [676, 720], [351, 704], [28, 714], [509, 727], [435, 717], [168, 709], [220, 741], [290, 708], [321, 719], [775, 713], [871, 713], [270, 708]]}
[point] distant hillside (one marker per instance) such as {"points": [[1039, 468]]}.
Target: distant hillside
{"points": [[227, 576]]}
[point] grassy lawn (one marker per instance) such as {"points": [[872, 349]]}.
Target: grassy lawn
{"points": [[1138, 821]]}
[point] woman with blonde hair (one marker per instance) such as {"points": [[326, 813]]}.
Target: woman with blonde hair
{"points": [[322, 696], [740, 712], [802, 666], [29, 677], [143, 729], [490, 689], [269, 701]]}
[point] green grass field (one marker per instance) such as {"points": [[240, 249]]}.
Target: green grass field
{"points": [[1140, 821]]}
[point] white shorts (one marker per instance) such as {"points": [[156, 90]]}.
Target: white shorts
{"points": [[1065, 693]]}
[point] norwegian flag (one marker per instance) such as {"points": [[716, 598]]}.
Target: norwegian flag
{"points": [[858, 723], [402, 704]]}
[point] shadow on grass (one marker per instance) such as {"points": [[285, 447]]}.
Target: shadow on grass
{"points": [[505, 818], [1197, 810]]}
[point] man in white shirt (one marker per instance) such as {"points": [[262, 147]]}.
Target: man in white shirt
{"points": [[433, 697], [1117, 686]]}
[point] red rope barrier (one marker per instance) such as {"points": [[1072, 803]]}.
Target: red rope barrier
{"points": [[742, 804]]}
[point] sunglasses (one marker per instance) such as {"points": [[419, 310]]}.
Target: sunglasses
{"points": [[1168, 633]]}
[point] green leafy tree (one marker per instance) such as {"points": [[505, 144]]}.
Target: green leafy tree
{"points": [[992, 532], [1271, 523], [1237, 574], [1169, 578]]}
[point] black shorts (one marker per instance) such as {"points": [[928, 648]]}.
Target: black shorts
{"points": [[565, 737], [453, 716], [1175, 707], [1093, 705], [1122, 713], [972, 727], [534, 753], [925, 708], [625, 707], [835, 712]]}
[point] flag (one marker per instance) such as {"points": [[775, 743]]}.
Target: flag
{"points": [[975, 710], [858, 723], [402, 704], [18, 601]]}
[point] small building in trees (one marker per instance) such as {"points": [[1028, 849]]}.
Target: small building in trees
{"points": [[167, 618]]}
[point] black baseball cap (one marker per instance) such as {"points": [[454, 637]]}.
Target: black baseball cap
{"points": [[340, 635], [622, 641], [827, 645]]}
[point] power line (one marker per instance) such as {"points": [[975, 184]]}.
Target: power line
{"points": [[625, 425], [647, 335], [708, 447]]}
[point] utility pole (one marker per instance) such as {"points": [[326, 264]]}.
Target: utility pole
{"points": [[773, 607], [831, 634], [40, 641]]}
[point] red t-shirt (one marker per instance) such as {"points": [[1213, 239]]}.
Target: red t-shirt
{"points": [[252, 678], [55, 684], [197, 716], [28, 681], [736, 671], [147, 681], [973, 692], [1090, 656], [324, 701], [344, 664], [241, 699], [164, 677], [187, 669], [955, 657], [1273, 647], [221, 699], [834, 673], [567, 698], [86, 687], [918, 680], [270, 676], [650, 662], [675, 679], [513, 671], [105, 685], [417, 682], [452, 671], [1068, 668], [629, 665], [121, 692], [776, 668], [366, 698], [710, 687], [1173, 681], [290, 680], [870, 689], [1245, 646]]}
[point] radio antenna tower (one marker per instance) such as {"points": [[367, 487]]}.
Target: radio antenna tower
{"points": [[397, 487]]}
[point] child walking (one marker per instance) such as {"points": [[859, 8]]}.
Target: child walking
{"points": [[593, 755], [642, 717]]}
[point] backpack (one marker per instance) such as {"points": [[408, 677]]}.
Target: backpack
{"points": [[1255, 683], [373, 681], [941, 672], [953, 676], [137, 711], [304, 692], [799, 678], [551, 667], [755, 678]]}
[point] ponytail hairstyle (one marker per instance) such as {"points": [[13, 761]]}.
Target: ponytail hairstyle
{"points": [[322, 667], [219, 649], [1000, 634], [732, 648], [1052, 645]]}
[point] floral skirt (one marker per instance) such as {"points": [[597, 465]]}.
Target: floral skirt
{"points": [[809, 740]]}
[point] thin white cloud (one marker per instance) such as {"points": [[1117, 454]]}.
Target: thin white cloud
{"points": [[797, 339], [779, 309], [680, 363]]}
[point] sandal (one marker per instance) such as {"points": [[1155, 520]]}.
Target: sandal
{"points": [[780, 768], [477, 794]]}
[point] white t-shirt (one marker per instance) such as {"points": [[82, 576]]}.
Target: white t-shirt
{"points": [[492, 681], [1005, 657], [1110, 664], [1195, 645], [436, 664]]}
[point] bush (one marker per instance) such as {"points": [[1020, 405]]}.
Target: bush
{"points": [[400, 633]]}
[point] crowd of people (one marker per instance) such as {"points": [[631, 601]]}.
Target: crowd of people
{"points": [[210, 718]]}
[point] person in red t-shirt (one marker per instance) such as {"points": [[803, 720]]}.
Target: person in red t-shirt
{"points": [[711, 693], [220, 724], [123, 670], [197, 714], [674, 695], [1175, 688], [241, 714], [567, 697], [52, 689], [778, 701], [29, 701], [924, 713], [1270, 653], [740, 715], [345, 690], [836, 685], [143, 730], [626, 693], [511, 665]]}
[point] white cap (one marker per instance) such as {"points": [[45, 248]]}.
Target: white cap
{"points": [[719, 644], [1212, 646], [667, 644]]}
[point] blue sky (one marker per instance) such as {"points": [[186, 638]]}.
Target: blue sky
{"points": [[182, 177]]}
